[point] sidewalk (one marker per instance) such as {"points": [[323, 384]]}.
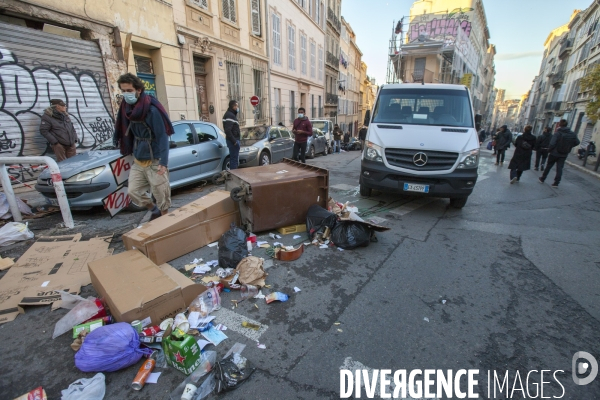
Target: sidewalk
{"points": [[576, 163]]}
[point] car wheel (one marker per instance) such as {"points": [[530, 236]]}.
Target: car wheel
{"points": [[264, 159], [458, 202], [226, 164], [365, 191], [311, 152]]}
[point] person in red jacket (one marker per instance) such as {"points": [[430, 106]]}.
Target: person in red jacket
{"points": [[302, 130]]}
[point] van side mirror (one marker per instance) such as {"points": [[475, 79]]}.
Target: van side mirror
{"points": [[478, 119]]}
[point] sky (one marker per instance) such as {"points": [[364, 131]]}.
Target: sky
{"points": [[518, 28]]}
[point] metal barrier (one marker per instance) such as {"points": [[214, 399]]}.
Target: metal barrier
{"points": [[59, 187]]}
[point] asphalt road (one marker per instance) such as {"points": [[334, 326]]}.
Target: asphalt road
{"points": [[509, 283]]}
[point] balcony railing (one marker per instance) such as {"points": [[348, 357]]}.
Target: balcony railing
{"points": [[553, 105], [558, 78], [334, 20], [331, 98], [332, 60], [565, 48]]}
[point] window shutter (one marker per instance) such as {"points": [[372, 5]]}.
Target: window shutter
{"points": [[226, 9], [291, 48], [232, 11], [276, 40], [201, 3], [255, 5]]}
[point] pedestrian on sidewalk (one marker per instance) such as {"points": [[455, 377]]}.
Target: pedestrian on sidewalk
{"points": [[362, 136], [302, 130], [337, 139], [56, 127], [561, 145], [143, 128], [494, 137], [503, 141], [521, 160], [481, 134], [347, 138], [541, 148], [231, 126]]}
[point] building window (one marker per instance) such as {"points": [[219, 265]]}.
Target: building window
{"points": [[301, 3], [259, 85], [310, 7], [292, 47], [143, 64], [201, 3], [321, 62], [234, 87], [303, 54], [255, 10], [313, 60], [276, 39], [318, 13], [229, 11]]}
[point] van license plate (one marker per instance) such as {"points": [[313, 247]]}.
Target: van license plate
{"points": [[411, 187]]}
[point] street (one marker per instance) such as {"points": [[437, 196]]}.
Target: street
{"points": [[508, 283]]}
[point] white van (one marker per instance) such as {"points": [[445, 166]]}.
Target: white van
{"points": [[422, 140]]}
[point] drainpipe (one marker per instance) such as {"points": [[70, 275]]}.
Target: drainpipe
{"points": [[269, 57]]}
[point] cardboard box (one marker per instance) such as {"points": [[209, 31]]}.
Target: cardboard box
{"points": [[182, 354], [87, 327], [186, 229], [137, 289]]}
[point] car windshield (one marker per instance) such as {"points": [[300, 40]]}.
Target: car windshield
{"points": [[252, 135], [424, 107], [321, 125]]}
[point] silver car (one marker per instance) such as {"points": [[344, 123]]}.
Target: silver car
{"points": [[317, 143], [263, 145], [198, 151]]}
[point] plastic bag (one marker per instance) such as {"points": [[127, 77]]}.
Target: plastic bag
{"points": [[14, 232], [86, 389], [232, 371], [350, 234], [206, 388], [110, 348], [232, 247], [207, 302], [5, 207], [80, 313], [317, 219], [208, 360]]}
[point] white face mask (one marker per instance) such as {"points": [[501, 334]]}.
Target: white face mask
{"points": [[130, 97], [300, 115]]}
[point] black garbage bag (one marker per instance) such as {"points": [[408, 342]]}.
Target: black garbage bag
{"points": [[232, 247], [351, 234], [318, 219], [231, 372]]}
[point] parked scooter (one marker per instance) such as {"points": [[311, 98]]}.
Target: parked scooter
{"points": [[591, 151]]}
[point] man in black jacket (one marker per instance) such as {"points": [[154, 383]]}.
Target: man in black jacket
{"points": [[503, 140], [231, 127], [362, 136], [541, 148], [560, 146], [56, 127]]}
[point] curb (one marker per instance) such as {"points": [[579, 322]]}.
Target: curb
{"points": [[583, 169]]}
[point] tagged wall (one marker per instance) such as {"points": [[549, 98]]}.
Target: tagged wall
{"points": [[35, 67]]}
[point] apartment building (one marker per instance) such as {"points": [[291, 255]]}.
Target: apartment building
{"points": [[349, 81]]}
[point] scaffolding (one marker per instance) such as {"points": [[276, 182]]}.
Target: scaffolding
{"points": [[395, 74]]}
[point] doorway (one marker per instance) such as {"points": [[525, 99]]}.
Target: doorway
{"points": [[201, 89]]}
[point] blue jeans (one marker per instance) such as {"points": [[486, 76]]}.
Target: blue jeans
{"points": [[337, 146], [234, 155]]}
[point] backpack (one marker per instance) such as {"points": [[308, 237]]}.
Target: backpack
{"points": [[563, 146]]}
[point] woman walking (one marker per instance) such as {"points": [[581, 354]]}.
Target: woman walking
{"points": [[503, 140], [521, 160]]}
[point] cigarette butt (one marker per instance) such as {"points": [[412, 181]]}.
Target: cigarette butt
{"points": [[339, 330], [336, 323]]}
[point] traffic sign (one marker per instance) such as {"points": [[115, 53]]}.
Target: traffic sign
{"points": [[254, 100]]}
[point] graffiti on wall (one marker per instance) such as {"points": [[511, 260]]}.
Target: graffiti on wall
{"points": [[25, 92], [440, 27]]}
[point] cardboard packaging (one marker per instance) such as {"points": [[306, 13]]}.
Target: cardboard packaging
{"points": [[182, 354], [137, 289], [186, 229], [87, 327]]}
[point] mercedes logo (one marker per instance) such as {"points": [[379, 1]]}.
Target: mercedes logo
{"points": [[420, 159]]}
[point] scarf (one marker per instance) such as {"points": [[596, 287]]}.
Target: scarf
{"points": [[137, 113]]}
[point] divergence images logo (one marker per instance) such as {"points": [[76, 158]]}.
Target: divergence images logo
{"points": [[420, 159], [582, 367]]}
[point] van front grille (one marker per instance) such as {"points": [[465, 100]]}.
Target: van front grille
{"points": [[435, 160]]}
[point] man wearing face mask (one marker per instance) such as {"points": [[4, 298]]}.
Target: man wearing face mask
{"points": [[302, 130], [143, 128], [56, 127], [231, 127]]}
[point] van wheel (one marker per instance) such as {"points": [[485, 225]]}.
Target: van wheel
{"points": [[365, 191], [458, 202]]}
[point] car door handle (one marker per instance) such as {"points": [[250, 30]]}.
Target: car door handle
{"points": [[194, 152]]}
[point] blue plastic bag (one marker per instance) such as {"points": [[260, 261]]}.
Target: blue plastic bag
{"points": [[490, 145], [109, 348]]}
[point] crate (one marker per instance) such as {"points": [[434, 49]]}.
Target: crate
{"points": [[292, 229]]}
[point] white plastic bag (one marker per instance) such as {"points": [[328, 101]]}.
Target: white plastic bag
{"points": [[5, 208], [86, 389], [14, 232], [68, 300], [83, 311]]}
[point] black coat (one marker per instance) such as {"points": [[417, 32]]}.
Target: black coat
{"points": [[524, 145], [503, 140], [543, 141], [231, 126]]}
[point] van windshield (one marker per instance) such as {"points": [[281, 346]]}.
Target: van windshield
{"points": [[322, 125], [424, 107]]}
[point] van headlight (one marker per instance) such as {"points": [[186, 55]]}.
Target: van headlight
{"points": [[85, 175], [469, 159], [248, 149], [373, 152]]}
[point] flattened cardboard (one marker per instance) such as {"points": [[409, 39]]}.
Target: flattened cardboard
{"points": [[49, 265], [135, 288], [186, 229]]}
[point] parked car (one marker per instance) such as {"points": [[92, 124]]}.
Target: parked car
{"points": [[325, 126], [353, 144], [317, 143], [263, 145], [198, 151]]}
